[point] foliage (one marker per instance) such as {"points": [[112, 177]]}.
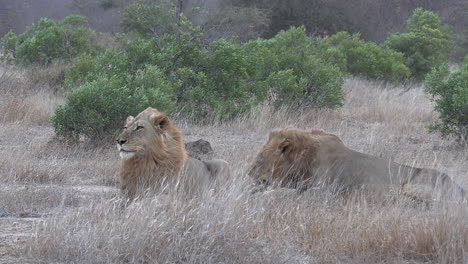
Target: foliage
{"points": [[364, 58], [150, 20], [78, 72], [288, 71], [50, 40], [9, 46], [225, 69], [90, 108], [426, 45], [450, 93], [171, 70], [100, 105]]}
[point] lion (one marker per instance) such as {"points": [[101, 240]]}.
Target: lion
{"points": [[302, 159], [152, 155]]}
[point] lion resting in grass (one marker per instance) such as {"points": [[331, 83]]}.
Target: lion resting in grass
{"points": [[153, 155], [314, 158]]}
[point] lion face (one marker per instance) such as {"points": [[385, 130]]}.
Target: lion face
{"points": [[285, 159], [142, 134], [272, 159]]}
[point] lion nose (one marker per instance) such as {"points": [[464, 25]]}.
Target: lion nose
{"points": [[121, 141]]}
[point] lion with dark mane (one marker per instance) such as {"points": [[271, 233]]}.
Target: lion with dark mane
{"points": [[152, 155], [314, 158]]}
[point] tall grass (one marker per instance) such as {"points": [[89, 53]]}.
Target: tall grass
{"points": [[30, 95], [234, 226], [83, 221]]}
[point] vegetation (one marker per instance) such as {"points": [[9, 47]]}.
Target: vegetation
{"points": [[164, 60], [365, 58], [426, 45], [450, 93], [160, 61], [50, 40], [104, 102], [287, 70]]}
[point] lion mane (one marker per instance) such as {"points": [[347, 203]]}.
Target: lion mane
{"points": [[152, 155], [314, 158]]}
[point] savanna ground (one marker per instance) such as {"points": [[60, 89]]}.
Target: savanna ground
{"points": [[59, 203]]}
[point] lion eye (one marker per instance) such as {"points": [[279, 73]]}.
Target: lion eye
{"points": [[125, 127], [139, 127]]}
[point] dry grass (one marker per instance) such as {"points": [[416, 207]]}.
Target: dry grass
{"points": [[83, 221], [234, 226], [30, 95], [32, 155]]}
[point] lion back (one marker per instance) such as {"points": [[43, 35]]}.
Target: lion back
{"points": [[198, 176]]}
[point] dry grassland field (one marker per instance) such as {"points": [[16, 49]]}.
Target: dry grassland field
{"points": [[61, 203]]}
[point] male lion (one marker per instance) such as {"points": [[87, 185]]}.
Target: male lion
{"points": [[152, 154], [314, 158]]}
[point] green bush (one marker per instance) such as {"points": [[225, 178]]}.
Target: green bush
{"points": [[150, 20], [364, 58], [9, 46], [79, 72], [286, 70], [151, 87], [50, 40], [170, 37], [99, 106], [91, 108], [426, 45], [450, 93], [172, 71]]}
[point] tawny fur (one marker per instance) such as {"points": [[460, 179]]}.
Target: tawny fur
{"points": [[315, 158], [153, 155]]}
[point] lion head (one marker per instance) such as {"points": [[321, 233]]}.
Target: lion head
{"points": [[151, 148], [290, 157]]}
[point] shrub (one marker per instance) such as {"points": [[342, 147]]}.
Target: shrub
{"points": [[426, 45], [143, 70], [150, 20], [221, 76], [98, 107], [450, 93], [91, 108], [150, 87], [364, 58], [50, 40], [9, 46], [287, 71], [172, 71], [77, 74], [171, 37]]}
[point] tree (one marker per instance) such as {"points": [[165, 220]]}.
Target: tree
{"points": [[450, 93], [426, 45], [50, 40]]}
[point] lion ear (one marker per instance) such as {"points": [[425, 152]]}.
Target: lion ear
{"points": [[273, 134], [129, 119], [284, 146], [160, 121]]}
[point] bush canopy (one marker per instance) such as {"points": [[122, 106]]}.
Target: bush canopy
{"points": [[449, 91], [50, 40], [426, 45], [161, 62]]}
